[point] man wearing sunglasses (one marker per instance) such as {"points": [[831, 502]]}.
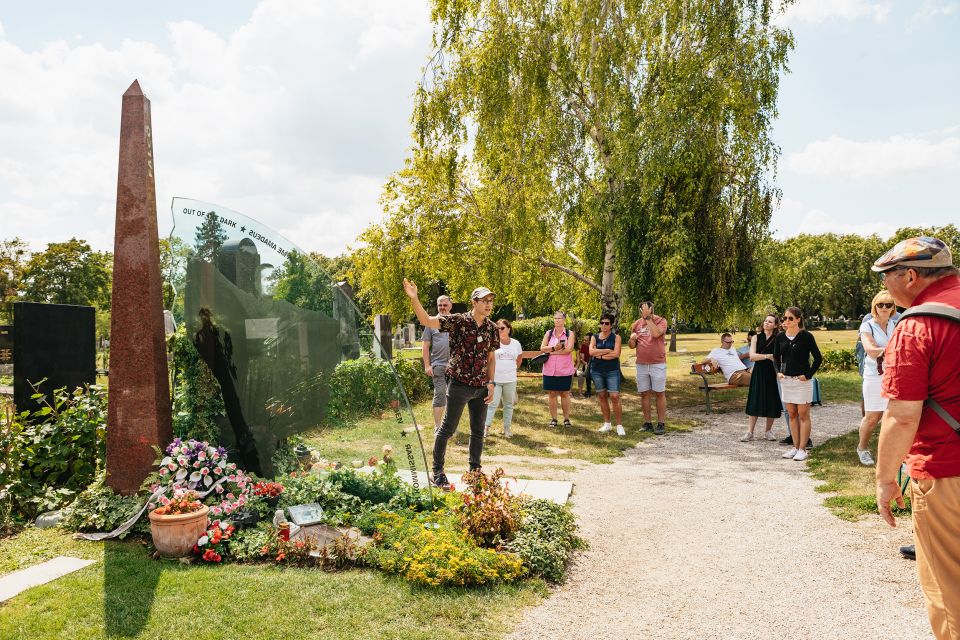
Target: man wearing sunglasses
{"points": [[726, 358], [921, 379]]}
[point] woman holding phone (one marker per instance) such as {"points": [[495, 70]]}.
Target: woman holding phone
{"points": [[559, 342]]}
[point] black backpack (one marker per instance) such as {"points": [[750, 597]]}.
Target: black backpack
{"points": [[939, 311]]}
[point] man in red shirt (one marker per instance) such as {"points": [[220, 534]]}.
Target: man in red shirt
{"points": [[646, 335], [920, 366]]}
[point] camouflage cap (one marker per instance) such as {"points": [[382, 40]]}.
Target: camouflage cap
{"points": [[915, 252]]}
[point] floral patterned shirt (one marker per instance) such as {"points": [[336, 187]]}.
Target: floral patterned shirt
{"points": [[469, 346]]}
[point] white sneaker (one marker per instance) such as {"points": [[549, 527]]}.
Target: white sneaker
{"points": [[801, 455], [747, 437], [865, 458], [620, 430], [769, 435], [605, 427], [789, 454]]}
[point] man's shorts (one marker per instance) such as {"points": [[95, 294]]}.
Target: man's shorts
{"points": [[606, 380], [651, 377], [439, 385]]}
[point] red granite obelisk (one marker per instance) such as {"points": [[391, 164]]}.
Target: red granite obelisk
{"points": [[139, 392]]}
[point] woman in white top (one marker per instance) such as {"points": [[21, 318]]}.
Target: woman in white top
{"points": [[508, 356], [875, 332]]}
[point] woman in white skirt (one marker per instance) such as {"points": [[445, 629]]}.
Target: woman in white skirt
{"points": [[797, 357], [875, 332]]}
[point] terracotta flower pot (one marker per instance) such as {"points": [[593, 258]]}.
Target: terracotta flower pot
{"points": [[174, 536]]}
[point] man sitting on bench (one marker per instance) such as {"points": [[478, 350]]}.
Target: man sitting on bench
{"points": [[726, 358]]}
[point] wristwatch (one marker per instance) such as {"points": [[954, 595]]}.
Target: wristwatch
{"points": [[491, 382]]}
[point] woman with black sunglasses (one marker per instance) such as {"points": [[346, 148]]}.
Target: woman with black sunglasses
{"points": [[875, 333], [797, 358], [605, 372]]}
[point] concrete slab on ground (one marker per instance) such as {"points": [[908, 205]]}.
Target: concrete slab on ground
{"points": [[558, 491], [19, 581]]}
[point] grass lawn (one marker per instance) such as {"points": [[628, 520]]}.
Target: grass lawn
{"points": [[127, 594], [835, 462]]}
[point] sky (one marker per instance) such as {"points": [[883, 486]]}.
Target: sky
{"points": [[295, 112]]}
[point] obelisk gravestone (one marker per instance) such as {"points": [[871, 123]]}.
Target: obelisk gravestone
{"points": [[139, 395]]}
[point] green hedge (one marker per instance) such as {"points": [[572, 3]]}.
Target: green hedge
{"points": [[366, 386], [839, 360]]}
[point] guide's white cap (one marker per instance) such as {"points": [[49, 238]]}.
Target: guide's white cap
{"points": [[480, 292]]}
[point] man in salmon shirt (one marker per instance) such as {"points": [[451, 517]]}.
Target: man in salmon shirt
{"points": [[646, 335], [921, 377]]}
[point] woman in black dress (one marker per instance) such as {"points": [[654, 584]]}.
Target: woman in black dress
{"points": [[763, 399]]}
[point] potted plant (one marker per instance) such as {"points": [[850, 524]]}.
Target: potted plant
{"points": [[178, 523]]}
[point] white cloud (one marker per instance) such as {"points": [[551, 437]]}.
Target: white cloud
{"points": [[935, 8], [838, 157], [822, 10], [295, 119], [817, 221]]}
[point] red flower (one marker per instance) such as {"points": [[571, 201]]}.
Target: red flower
{"points": [[209, 555]]}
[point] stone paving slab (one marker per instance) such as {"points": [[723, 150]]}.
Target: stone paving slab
{"points": [[19, 581], [558, 491]]}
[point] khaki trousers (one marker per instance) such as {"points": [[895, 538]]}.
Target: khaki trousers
{"points": [[936, 533], [739, 379]]}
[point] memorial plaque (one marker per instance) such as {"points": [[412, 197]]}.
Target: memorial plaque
{"points": [[6, 344], [303, 515], [52, 341]]}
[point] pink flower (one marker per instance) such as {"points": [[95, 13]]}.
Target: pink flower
{"points": [[204, 471], [164, 500]]}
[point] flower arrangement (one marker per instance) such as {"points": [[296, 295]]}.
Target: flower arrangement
{"points": [[199, 466], [268, 489], [211, 547], [183, 501]]}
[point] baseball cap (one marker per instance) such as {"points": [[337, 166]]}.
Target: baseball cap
{"points": [[915, 252], [480, 292]]}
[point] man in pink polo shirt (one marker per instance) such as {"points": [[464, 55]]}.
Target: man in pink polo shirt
{"points": [[922, 421], [647, 336]]}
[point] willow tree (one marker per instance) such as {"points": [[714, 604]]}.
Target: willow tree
{"points": [[578, 151]]}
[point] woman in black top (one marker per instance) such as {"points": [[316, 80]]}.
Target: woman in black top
{"points": [[797, 357], [763, 400]]}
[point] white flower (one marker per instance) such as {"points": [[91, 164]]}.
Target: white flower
{"points": [[181, 474], [207, 481], [202, 541], [223, 525], [195, 476], [166, 461]]}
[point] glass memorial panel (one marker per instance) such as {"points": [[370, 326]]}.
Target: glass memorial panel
{"points": [[276, 361]]}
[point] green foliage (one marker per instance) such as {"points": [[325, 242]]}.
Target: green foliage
{"points": [[197, 401], [377, 487], [489, 514], [615, 148], [68, 273], [13, 256], [51, 454], [434, 554], [98, 508], [839, 360], [367, 386], [306, 488], [302, 283], [209, 237], [547, 535], [246, 545]]}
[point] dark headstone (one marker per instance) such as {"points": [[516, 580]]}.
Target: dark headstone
{"points": [[53, 341], [139, 399], [239, 262], [383, 331]]}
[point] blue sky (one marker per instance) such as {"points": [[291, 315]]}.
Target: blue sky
{"points": [[295, 112]]}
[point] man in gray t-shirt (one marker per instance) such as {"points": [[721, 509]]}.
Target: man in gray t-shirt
{"points": [[436, 355]]}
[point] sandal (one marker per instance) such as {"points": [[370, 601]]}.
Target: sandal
{"points": [[553, 422], [566, 423]]}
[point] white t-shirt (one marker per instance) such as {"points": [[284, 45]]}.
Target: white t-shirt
{"points": [[881, 338], [728, 359], [506, 355]]}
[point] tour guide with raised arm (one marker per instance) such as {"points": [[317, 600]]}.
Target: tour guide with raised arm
{"points": [[473, 345]]}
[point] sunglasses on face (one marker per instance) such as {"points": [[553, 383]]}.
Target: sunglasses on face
{"points": [[603, 322], [785, 318], [884, 305], [502, 328]]}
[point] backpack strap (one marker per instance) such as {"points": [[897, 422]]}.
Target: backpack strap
{"points": [[939, 311], [933, 309]]}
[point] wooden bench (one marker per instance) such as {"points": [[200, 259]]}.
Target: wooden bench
{"points": [[703, 369]]}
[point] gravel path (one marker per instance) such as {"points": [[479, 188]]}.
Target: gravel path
{"points": [[701, 536]]}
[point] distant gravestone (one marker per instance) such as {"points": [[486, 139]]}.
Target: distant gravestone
{"points": [[384, 334], [53, 341], [6, 347]]}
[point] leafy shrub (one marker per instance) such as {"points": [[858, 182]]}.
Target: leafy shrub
{"points": [[416, 384], [489, 514], [247, 545], [50, 455], [305, 488], [197, 401], [359, 388], [839, 360], [99, 508], [437, 554], [547, 535], [378, 487]]}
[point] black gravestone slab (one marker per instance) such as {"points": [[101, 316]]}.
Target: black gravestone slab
{"points": [[52, 341]]}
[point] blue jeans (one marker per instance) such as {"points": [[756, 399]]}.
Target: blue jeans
{"points": [[461, 395], [508, 392], [606, 380]]}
